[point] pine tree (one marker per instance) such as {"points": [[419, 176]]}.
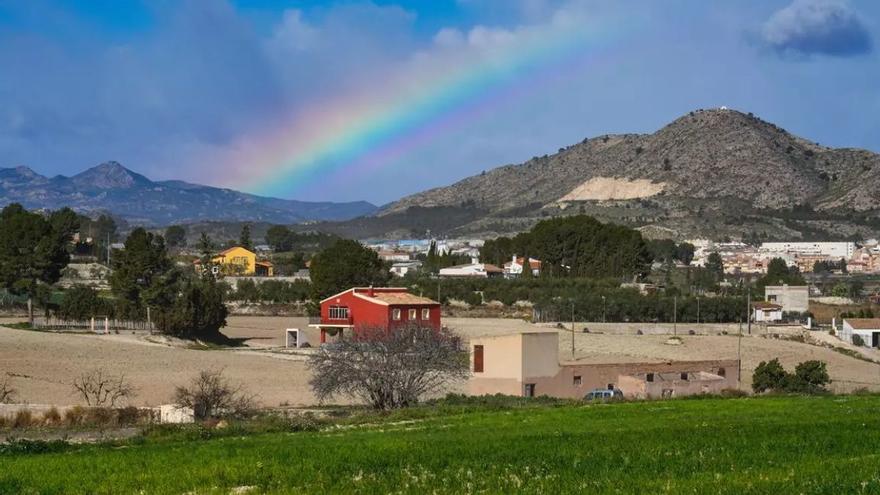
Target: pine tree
{"points": [[244, 239]]}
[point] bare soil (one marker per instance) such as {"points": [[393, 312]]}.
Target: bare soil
{"points": [[42, 364]]}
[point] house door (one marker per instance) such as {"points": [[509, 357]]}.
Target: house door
{"points": [[529, 390], [875, 339]]}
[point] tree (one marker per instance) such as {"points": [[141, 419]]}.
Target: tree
{"points": [[684, 252], [175, 236], [389, 370], [279, 238], [32, 251], [99, 389], [779, 273], [343, 265], [211, 395], [196, 310], [768, 375], [135, 268], [715, 265], [80, 303], [809, 377], [244, 239], [7, 391]]}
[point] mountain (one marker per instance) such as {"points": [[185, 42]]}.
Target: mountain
{"points": [[110, 187], [708, 173]]}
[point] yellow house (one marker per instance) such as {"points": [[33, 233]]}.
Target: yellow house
{"points": [[240, 261]]}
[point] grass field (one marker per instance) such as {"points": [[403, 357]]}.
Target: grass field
{"points": [[759, 445]]}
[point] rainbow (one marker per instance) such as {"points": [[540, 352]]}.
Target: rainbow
{"points": [[373, 128]]}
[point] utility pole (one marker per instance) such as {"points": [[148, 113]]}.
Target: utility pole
{"points": [[604, 313], [572, 329], [108, 249], [749, 308], [675, 315], [698, 310], [739, 354]]}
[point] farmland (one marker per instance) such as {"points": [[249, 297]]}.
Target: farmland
{"points": [[757, 445], [41, 364]]}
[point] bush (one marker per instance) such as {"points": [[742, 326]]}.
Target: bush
{"points": [[52, 417], [210, 395], [733, 393], [768, 376], [23, 419], [75, 416], [99, 389], [858, 340], [198, 313]]}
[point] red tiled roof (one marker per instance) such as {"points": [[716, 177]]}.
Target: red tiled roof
{"points": [[765, 305]]}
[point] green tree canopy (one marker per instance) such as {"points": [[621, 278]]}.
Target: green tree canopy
{"points": [[244, 239], [33, 250], [576, 246], [175, 236], [344, 265], [715, 266], [779, 273], [280, 238], [135, 268]]}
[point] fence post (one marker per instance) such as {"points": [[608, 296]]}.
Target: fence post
{"points": [[93, 324], [106, 325]]}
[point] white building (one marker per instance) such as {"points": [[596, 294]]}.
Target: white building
{"points": [[792, 298], [483, 270], [835, 250], [514, 267], [401, 268], [866, 328], [765, 312]]}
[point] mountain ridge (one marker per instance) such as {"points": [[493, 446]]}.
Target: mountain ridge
{"points": [[728, 168], [112, 188]]}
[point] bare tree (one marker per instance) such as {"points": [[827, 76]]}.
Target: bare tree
{"points": [[210, 395], [100, 389], [389, 369], [7, 391]]}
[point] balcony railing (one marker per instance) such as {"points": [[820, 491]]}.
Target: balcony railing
{"points": [[318, 320]]}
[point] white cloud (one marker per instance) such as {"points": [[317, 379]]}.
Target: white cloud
{"points": [[807, 27]]}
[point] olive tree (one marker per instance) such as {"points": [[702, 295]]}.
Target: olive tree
{"points": [[389, 369]]}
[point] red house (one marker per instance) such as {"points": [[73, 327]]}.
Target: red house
{"points": [[381, 307]]}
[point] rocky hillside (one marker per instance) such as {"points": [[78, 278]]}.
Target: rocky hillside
{"points": [[112, 188], [710, 172]]}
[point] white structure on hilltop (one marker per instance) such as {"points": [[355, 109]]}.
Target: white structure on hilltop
{"points": [[836, 250]]}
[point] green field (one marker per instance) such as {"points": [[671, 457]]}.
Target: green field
{"points": [[767, 445]]}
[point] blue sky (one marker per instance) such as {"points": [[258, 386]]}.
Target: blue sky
{"points": [[170, 88]]}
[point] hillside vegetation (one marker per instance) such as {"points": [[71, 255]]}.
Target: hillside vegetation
{"points": [[760, 445]]}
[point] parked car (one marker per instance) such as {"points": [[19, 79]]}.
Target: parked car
{"points": [[604, 394]]}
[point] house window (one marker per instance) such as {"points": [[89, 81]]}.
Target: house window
{"points": [[610, 386], [426, 314], [478, 359], [771, 298], [649, 377], [395, 314], [529, 390], [577, 381], [722, 372], [338, 312], [412, 314], [684, 376]]}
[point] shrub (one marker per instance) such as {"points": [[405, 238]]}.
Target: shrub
{"points": [[858, 340], [100, 416], [23, 419], [75, 416], [812, 376], [128, 415], [52, 417], [210, 395], [769, 375]]}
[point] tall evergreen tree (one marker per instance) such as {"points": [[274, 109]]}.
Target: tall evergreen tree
{"points": [[244, 239]]}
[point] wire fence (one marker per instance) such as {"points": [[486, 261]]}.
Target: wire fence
{"points": [[99, 324]]}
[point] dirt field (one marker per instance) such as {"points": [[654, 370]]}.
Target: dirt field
{"points": [[42, 365]]}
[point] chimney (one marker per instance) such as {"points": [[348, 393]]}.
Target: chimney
{"points": [[513, 259], [371, 292]]}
